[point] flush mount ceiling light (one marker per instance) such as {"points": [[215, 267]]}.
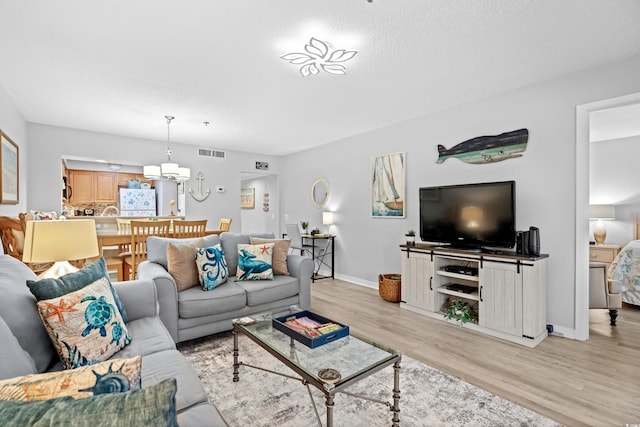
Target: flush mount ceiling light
{"points": [[168, 171], [318, 56]]}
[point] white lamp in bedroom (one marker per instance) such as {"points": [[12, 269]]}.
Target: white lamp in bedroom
{"points": [[601, 213]]}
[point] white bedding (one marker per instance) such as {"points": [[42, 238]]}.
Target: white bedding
{"points": [[626, 270]]}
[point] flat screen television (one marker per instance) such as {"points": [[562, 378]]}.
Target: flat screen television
{"points": [[469, 216]]}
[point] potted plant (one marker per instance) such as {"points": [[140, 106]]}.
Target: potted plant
{"points": [[411, 238], [305, 225], [460, 311]]}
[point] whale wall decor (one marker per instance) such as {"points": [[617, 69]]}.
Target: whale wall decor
{"points": [[487, 149]]}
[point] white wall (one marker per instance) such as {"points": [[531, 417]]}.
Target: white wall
{"points": [[51, 143], [614, 180], [256, 220], [13, 124], [546, 195]]}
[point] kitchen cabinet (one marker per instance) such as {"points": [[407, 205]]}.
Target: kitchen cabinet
{"points": [[82, 186], [105, 187]]}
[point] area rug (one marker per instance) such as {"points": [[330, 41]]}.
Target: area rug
{"points": [[261, 399]]}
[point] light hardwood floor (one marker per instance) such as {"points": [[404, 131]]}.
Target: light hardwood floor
{"points": [[592, 383]]}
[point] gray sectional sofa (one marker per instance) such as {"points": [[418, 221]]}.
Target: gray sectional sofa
{"points": [[194, 313], [27, 349]]}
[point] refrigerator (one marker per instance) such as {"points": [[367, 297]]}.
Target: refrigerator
{"points": [[165, 192], [136, 202]]}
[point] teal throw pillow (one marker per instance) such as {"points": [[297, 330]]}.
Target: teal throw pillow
{"points": [[212, 267], [255, 262], [53, 288], [152, 406]]}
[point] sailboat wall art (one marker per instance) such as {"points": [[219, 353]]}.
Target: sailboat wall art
{"points": [[388, 177]]}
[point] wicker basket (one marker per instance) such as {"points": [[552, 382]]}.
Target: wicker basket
{"points": [[389, 287]]}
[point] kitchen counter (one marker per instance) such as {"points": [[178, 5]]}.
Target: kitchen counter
{"points": [[109, 222]]}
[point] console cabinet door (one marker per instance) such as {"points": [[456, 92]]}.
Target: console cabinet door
{"points": [[501, 297], [417, 281]]}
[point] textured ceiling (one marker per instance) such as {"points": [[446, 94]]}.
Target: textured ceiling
{"points": [[120, 66]]}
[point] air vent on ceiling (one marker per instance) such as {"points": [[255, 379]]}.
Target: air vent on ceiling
{"points": [[211, 153]]}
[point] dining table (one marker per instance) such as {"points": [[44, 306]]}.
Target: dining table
{"points": [[115, 238]]}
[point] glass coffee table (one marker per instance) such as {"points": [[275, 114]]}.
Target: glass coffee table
{"points": [[331, 368]]}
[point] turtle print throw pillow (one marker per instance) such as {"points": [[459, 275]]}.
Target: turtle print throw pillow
{"points": [[85, 325], [112, 376], [212, 267], [254, 262]]}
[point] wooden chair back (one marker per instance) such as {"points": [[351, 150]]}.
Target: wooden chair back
{"points": [[124, 225], [184, 228], [12, 236], [225, 224], [140, 230]]}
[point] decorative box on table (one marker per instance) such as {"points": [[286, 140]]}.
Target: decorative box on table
{"points": [[336, 331]]}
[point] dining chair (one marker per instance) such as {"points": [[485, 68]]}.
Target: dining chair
{"points": [[189, 228], [225, 224], [140, 230]]}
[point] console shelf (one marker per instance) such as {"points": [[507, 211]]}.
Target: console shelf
{"points": [[508, 293]]}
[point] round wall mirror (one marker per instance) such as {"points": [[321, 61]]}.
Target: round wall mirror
{"points": [[320, 193]]}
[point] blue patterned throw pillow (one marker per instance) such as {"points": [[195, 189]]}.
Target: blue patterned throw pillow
{"points": [[255, 262], [212, 267], [85, 326]]}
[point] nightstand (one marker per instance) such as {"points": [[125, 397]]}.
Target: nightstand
{"points": [[604, 253]]}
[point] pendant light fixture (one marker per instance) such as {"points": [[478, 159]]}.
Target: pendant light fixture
{"points": [[167, 171]]}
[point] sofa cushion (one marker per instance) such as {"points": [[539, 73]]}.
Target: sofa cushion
{"points": [[195, 302], [112, 376], [201, 415], [153, 406], [280, 253], [157, 246], [230, 242], [171, 364], [85, 325], [254, 262], [52, 288], [19, 311], [148, 335], [14, 360], [266, 291], [212, 267], [181, 263]]}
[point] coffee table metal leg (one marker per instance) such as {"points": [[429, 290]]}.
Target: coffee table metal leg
{"points": [[396, 394], [236, 365], [329, 409]]}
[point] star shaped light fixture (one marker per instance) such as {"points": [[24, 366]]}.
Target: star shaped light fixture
{"points": [[319, 56]]}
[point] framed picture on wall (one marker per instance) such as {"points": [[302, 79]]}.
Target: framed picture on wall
{"points": [[8, 170], [387, 180], [247, 198]]}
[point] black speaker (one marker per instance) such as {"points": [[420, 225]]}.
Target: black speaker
{"points": [[534, 241], [525, 243], [519, 249]]}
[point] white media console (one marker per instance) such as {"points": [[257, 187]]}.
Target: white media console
{"points": [[507, 291]]}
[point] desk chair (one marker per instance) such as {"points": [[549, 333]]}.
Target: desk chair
{"points": [[225, 224], [293, 233], [184, 229], [140, 230]]}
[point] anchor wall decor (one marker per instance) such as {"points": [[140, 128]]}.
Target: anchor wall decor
{"points": [[199, 197]]}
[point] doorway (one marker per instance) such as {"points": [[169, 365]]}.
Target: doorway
{"points": [[583, 113], [260, 205]]}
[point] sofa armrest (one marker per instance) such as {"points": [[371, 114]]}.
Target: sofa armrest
{"points": [[166, 291], [138, 297], [301, 267]]}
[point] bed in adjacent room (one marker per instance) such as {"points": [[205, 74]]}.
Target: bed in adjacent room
{"points": [[626, 267]]}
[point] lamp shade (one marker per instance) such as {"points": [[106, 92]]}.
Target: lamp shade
{"points": [[61, 240], [151, 171], [327, 218], [603, 212]]}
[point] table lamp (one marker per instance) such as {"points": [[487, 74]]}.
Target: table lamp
{"points": [[601, 213], [59, 241], [327, 219]]}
